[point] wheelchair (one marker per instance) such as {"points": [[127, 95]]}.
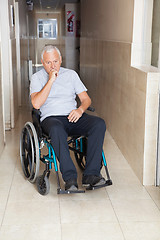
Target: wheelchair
{"points": [[32, 141]]}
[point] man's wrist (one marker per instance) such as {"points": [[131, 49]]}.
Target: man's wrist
{"points": [[51, 80], [81, 109]]}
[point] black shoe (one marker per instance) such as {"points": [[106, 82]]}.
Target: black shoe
{"points": [[71, 185], [92, 180]]}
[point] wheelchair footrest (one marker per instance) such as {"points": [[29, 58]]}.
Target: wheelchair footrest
{"points": [[61, 191], [107, 183]]}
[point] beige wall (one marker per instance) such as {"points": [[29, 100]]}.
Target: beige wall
{"points": [[118, 91], [24, 50], [1, 108], [107, 20], [22, 17], [14, 75], [24, 70]]}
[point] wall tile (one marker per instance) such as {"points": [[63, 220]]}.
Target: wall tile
{"points": [[118, 93]]}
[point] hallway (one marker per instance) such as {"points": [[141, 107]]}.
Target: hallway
{"points": [[124, 211], [114, 47]]}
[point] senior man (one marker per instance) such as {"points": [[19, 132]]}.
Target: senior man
{"points": [[53, 90]]}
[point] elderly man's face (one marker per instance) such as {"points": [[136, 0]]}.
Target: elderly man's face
{"points": [[51, 60]]}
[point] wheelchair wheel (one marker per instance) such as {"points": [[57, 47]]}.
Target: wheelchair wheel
{"points": [[81, 145], [29, 152], [43, 185]]}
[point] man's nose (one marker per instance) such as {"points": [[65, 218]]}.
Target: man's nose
{"points": [[52, 64]]}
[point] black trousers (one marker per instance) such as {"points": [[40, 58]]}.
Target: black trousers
{"points": [[58, 128]]}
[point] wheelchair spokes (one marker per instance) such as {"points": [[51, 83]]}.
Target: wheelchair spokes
{"points": [[29, 152], [26, 152], [80, 146]]}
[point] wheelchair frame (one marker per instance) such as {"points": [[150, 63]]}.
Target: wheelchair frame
{"points": [[33, 140]]}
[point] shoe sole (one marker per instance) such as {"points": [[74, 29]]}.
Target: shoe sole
{"points": [[86, 185], [101, 182], [72, 188]]}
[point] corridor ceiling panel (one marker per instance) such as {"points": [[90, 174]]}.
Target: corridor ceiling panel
{"points": [[51, 4]]}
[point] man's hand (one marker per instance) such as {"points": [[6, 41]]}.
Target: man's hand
{"points": [[75, 115], [39, 98], [53, 74]]}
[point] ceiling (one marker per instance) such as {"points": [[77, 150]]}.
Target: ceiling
{"points": [[49, 4]]}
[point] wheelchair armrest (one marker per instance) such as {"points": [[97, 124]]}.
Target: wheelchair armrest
{"points": [[36, 113], [92, 109]]}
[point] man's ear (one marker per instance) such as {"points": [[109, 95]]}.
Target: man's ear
{"points": [[60, 59], [41, 61]]}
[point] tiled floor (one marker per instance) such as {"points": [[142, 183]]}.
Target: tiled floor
{"points": [[125, 210]]}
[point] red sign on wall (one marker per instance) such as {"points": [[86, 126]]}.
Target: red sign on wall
{"points": [[70, 21]]}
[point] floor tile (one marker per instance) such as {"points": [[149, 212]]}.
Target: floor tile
{"points": [[86, 211], [127, 192], [9, 155], [6, 174], [33, 212], [2, 212], [124, 177], [31, 232], [18, 167], [115, 161], [136, 210], [4, 192], [94, 231], [141, 230], [22, 190], [157, 202]]}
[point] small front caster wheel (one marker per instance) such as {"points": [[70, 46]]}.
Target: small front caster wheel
{"points": [[43, 185]]}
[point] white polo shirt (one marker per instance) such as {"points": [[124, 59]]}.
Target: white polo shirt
{"points": [[61, 99]]}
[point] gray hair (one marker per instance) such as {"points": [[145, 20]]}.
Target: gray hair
{"points": [[50, 48]]}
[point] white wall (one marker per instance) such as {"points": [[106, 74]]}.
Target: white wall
{"points": [[156, 34], [5, 67], [6, 60], [142, 28]]}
